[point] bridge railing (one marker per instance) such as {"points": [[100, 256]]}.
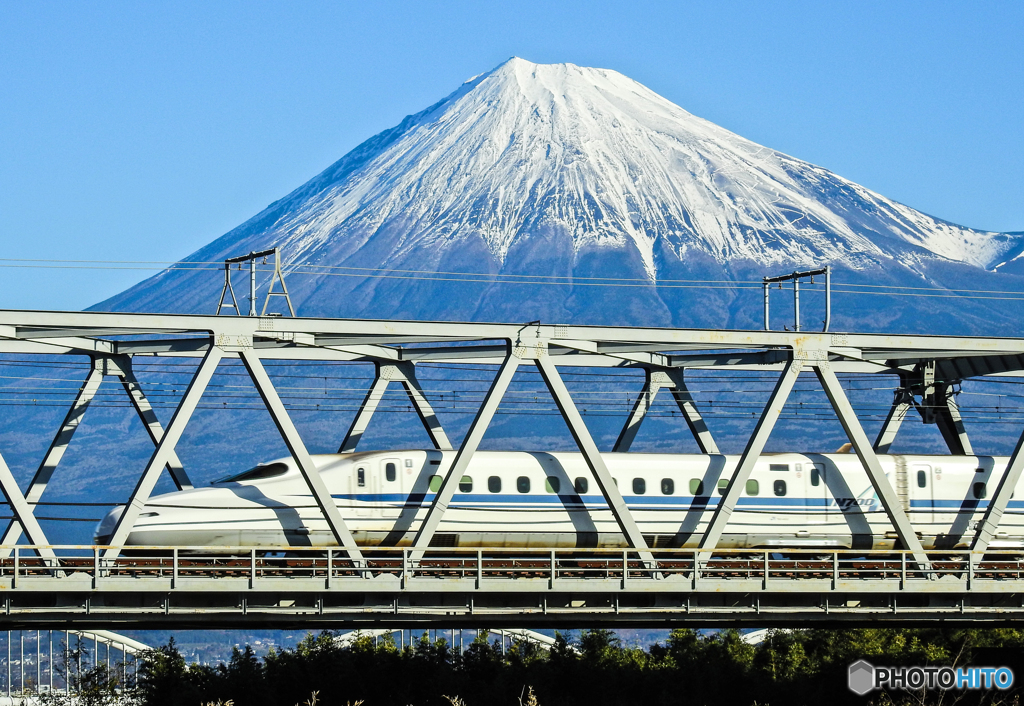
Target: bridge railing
{"points": [[330, 565]]}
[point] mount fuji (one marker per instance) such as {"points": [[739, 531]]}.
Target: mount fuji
{"points": [[572, 194]]}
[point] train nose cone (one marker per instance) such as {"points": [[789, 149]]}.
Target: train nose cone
{"points": [[105, 528]]}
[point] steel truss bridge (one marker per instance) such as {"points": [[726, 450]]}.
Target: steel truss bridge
{"points": [[44, 585]]}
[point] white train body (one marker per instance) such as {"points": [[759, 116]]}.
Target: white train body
{"points": [[535, 499]]}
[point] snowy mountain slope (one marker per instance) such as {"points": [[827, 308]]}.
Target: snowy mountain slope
{"points": [[1014, 264], [561, 170]]}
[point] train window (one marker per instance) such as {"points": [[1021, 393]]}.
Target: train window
{"points": [[494, 484], [523, 484], [922, 479], [552, 484], [979, 491], [639, 486], [696, 486], [722, 485], [361, 477], [466, 484], [753, 487], [779, 487], [581, 485], [778, 467], [668, 486], [979, 470], [390, 472], [271, 470], [435, 483], [815, 477]]}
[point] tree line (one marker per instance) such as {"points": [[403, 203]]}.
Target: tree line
{"points": [[590, 668]]}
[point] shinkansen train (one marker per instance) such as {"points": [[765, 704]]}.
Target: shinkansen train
{"points": [[532, 499]]}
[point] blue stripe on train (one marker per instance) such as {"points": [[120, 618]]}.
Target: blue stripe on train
{"points": [[654, 502], [596, 501]]}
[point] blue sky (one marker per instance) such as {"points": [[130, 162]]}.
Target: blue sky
{"points": [[141, 131]]}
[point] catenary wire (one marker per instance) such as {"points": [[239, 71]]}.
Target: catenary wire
{"points": [[499, 278]]}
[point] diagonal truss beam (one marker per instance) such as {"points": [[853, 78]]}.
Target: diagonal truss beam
{"points": [[755, 445], [54, 453], [694, 420], [307, 468], [405, 373], [465, 454], [942, 409], [22, 512], [890, 427], [423, 409], [997, 506], [673, 381], [164, 449], [592, 455], [641, 407], [149, 420], [362, 420], [121, 367], [951, 426], [883, 488]]}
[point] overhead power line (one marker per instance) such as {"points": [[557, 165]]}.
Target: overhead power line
{"points": [[303, 269]]}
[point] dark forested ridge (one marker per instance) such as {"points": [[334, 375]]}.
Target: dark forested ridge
{"points": [[591, 668]]}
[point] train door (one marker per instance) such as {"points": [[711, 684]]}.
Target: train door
{"points": [[818, 493], [374, 477], [921, 491], [389, 480], [364, 480]]}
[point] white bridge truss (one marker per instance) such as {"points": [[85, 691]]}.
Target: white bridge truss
{"points": [[421, 586], [37, 664]]}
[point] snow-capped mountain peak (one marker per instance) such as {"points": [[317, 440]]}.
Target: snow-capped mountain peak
{"points": [[608, 163], [572, 172]]}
